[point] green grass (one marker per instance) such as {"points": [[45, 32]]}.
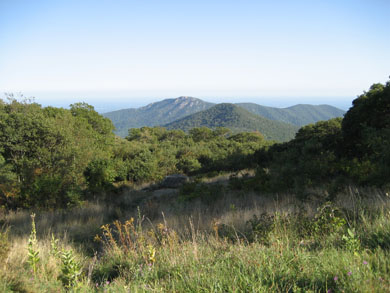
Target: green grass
{"points": [[249, 243]]}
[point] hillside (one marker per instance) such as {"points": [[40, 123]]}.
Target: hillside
{"points": [[299, 115], [154, 114], [237, 119]]}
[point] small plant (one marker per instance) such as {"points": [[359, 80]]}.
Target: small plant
{"points": [[33, 253], [70, 269], [164, 235], [124, 237], [151, 254], [328, 220], [352, 242], [260, 228], [54, 251]]}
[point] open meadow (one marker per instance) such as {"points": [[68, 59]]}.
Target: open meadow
{"points": [[238, 243]]}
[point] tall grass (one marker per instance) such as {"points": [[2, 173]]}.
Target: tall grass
{"points": [[238, 243]]}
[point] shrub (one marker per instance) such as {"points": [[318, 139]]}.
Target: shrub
{"points": [[260, 227]]}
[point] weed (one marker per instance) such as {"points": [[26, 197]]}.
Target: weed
{"points": [[328, 220], [70, 269], [352, 242], [54, 251], [33, 253]]}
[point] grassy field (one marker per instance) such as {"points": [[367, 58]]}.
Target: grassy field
{"points": [[238, 242]]}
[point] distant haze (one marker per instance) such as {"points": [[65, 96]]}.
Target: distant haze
{"points": [[116, 54], [103, 102]]}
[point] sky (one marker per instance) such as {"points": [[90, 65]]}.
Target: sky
{"points": [[120, 54]]}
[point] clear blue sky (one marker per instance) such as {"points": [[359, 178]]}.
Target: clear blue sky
{"points": [[139, 51]]}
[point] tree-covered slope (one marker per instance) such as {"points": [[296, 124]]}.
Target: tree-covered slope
{"points": [[154, 114], [299, 115], [237, 119]]}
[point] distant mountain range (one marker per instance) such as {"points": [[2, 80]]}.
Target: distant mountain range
{"points": [[299, 115], [238, 117]]}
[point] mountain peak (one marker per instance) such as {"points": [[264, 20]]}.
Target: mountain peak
{"points": [[157, 113], [186, 98]]}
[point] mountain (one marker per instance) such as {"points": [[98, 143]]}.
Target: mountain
{"points": [[169, 110], [237, 119], [299, 115], [154, 114]]}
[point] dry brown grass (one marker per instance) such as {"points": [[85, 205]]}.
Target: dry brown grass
{"points": [[192, 228]]}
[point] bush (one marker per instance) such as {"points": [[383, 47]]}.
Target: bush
{"points": [[260, 227]]}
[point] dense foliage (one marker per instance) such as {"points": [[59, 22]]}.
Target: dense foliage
{"points": [[52, 157], [44, 152], [366, 132], [151, 153]]}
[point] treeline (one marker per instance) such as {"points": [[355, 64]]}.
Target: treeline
{"points": [[46, 152], [51, 157]]}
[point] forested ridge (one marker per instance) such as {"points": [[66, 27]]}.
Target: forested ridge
{"points": [[236, 119], [54, 157]]}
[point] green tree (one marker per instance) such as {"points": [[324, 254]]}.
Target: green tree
{"points": [[366, 132], [50, 148], [365, 125]]}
